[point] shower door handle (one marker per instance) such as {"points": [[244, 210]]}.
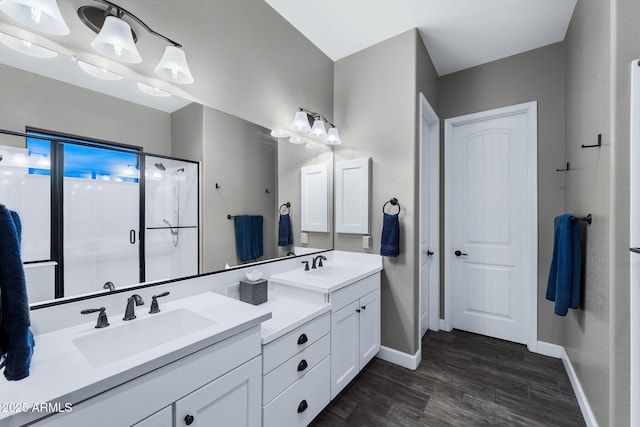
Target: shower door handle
{"points": [[132, 237]]}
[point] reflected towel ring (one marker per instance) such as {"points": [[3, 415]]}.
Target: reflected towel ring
{"points": [[286, 206], [394, 202]]}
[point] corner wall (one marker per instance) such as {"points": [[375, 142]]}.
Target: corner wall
{"points": [[376, 108]]}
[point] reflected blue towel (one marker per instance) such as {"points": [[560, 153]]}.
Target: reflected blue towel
{"points": [[249, 237], [390, 244], [16, 340], [563, 286], [285, 233]]}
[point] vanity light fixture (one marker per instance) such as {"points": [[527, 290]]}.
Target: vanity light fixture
{"points": [[98, 72], [117, 40], [302, 132], [41, 15], [26, 47]]}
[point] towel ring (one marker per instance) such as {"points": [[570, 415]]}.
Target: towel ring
{"points": [[286, 206], [394, 202]]}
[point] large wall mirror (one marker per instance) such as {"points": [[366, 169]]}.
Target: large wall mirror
{"points": [[202, 169]]}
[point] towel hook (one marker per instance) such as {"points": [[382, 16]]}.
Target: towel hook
{"points": [[394, 202], [286, 206]]}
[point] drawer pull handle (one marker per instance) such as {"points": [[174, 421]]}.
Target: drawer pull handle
{"points": [[189, 419], [302, 365], [303, 339], [302, 406]]}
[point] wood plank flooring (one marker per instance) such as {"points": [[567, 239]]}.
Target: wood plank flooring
{"points": [[464, 380]]}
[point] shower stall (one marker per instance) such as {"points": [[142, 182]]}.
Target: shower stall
{"points": [[171, 218], [99, 213]]}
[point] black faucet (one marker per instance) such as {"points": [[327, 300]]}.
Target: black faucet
{"points": [[319, 258], [154, 302], [110, 286], [129, 313], [103, 322]]}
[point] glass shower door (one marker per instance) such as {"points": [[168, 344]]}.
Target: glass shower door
{"points": [[171, 218], [101, 210]]}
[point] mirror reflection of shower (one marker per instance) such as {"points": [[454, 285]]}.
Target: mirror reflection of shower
{"points": [[175, 231], [171, 218]]}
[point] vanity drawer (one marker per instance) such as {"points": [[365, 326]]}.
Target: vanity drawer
{"points": [[302, 402], [295, 368], [282, 349]]}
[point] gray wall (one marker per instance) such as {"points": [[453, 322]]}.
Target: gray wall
{"points": [[376, 107], [239, 156], [292, 157], [537, 75], [246, 59], [35, 101], [588, 106]]}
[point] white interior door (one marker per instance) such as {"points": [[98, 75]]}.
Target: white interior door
{"points": [[491, 211], [635, 242], [429, 218]]}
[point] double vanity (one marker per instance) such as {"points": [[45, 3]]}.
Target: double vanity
{"points": [[206, 358]]}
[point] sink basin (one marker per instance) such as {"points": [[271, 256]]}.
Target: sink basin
{"points": [[325, 279], [113, 344]]}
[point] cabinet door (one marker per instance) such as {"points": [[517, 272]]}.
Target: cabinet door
{"points": [[369, 327], [162, 418], [345, 349], [233, 400]]}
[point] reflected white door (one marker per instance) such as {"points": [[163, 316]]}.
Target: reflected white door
{"points": [[491, 206]]}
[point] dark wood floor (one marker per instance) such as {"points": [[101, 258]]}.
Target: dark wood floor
{"points": [[464, 380]]}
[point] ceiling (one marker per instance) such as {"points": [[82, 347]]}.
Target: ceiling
{"points": [[458, 34]]}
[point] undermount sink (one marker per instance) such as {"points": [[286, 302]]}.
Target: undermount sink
{"points": [[110, 345], [324, 279], [330, 271]]}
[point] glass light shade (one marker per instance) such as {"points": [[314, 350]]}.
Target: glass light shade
{"points": [[116, 42], [333, 138], [98, 72], [41, 15], [318, 131], [300, 122], [26, 47], [153, 91], [173, 66]]}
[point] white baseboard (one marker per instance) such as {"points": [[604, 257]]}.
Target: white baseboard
{"points": [[443, 326], [587, 413], [399, 358], [552, 350]]}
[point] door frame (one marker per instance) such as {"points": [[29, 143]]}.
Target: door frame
{"points": [[531, 296], [429, 168]]}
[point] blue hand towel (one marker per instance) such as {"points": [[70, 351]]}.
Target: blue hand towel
{"points": [[390, 244], [563, 286], [16, 340], [249, 239], [285, 233]]}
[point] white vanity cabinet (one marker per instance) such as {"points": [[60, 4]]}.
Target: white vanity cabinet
{"points": [[218, 385], [355, 329], [296, 368]]}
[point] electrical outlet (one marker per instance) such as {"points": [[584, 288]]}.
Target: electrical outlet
{"points": [[366, 242], [304, 238]]}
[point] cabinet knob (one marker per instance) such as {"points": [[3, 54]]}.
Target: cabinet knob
{"points": [[302, 365], [303, 339], [357, 310], [189, 419], [364, 307], [302, 406]]}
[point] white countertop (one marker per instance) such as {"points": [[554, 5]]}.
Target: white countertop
{"points": [[289, 309], [334, 275], [60, 372]]}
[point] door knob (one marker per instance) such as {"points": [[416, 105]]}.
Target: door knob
{"points": [[459, 253]]}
